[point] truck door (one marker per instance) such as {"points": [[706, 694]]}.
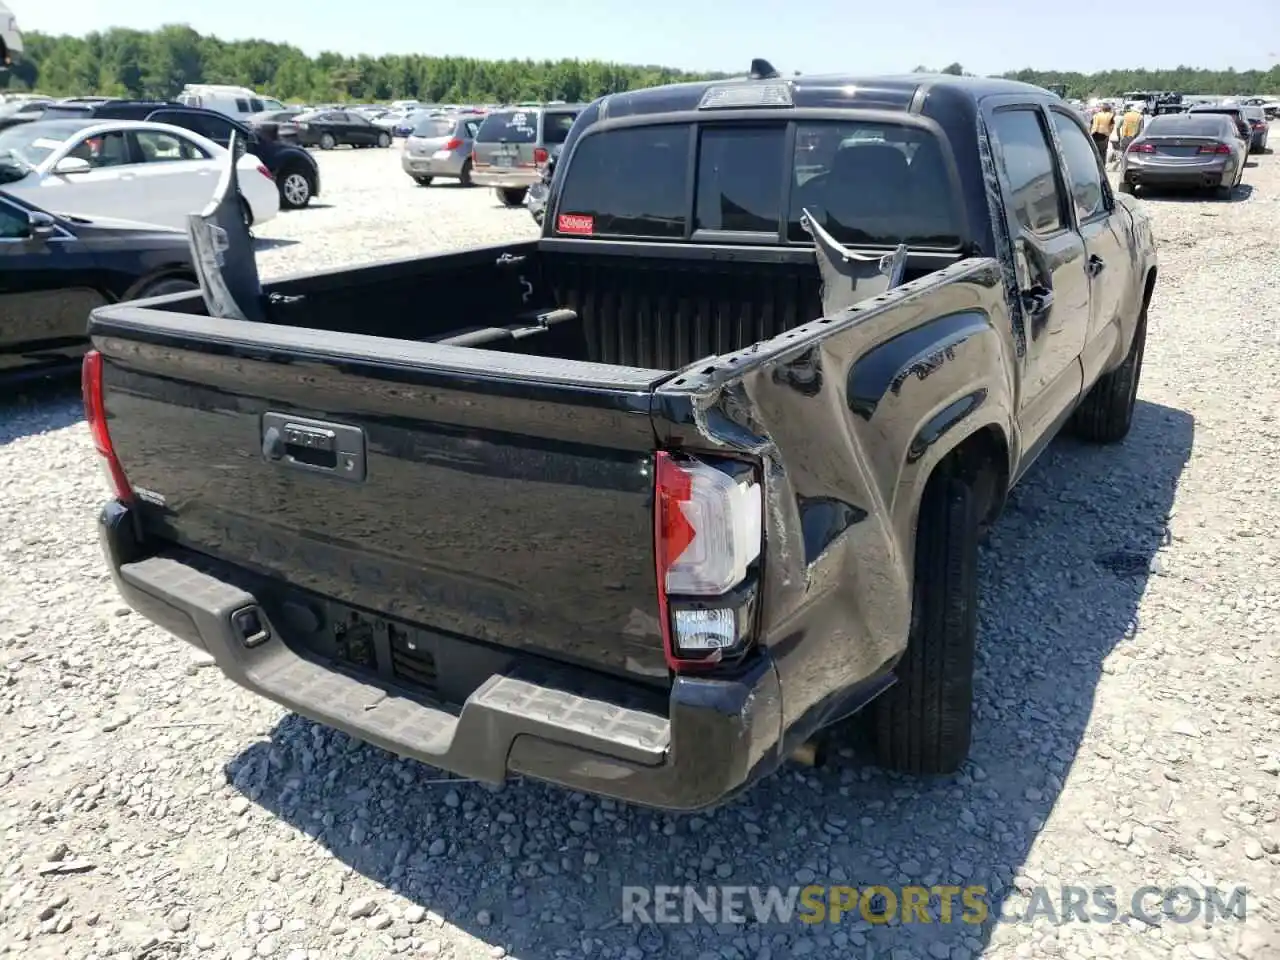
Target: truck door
{"points": [[1050, 260], [1102, 229]]}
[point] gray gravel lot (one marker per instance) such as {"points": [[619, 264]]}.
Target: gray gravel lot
{"points": [[1128, 725]]}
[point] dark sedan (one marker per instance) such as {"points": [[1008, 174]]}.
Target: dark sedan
{"points": [[55, 269], [1195, 150], [327, 129], [274, 124]]}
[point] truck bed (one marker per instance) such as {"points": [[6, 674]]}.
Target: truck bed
{"points": [[605, 305]]}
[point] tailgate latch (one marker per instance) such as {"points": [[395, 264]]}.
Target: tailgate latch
{"points": [[317, 446]]}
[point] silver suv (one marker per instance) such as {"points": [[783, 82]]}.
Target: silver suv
{"points": [[513, 144]]}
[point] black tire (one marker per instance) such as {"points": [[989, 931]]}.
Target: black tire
{"points": [[165, 285], [464, 178], [923, 724], [384, 140], [423, 181], [296, 189], [327, 142], [1106, 414], [512, 196]]}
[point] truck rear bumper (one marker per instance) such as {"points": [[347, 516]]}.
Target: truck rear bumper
{"points": [[538, 719]]}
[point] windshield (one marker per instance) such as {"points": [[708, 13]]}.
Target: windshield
{"points": [[32, 143]]}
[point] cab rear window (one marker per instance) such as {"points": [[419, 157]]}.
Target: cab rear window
{"points": [[509, 126], [868, 184]]}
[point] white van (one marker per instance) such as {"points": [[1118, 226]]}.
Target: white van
{"points": [[10, 38], [235, 102]]}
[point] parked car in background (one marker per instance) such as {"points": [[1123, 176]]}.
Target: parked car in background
{"points": [[296, 172], [1259, 127], [236, 102], [327, 129], [440, 147], [512, 144], [274, 124], [128, 169], [56, 267], [22, 111], [392, 119], [1199, 150], [11, 44], [1234, 112]]}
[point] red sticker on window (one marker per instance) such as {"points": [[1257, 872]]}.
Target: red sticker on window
{"points": [[583, 226]]}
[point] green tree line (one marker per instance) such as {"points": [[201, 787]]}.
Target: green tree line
{"points": [[137, 63], [157, 63]]}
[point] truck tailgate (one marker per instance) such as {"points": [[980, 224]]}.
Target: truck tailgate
{"points": [[500, 498]]}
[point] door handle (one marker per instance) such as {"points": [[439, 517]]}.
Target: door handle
{"points": [[1095, 265], [1036, 301]]}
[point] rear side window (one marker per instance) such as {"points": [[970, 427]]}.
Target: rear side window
{"points": [[509, 126], [556, 126], [627, 183], [1083, 175], [739, 179], [1022, 149]]}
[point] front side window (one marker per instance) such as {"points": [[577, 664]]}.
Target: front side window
{"points": [[739, 179], [631, 182], [13, 223], [1083, 174], [242, 106], [1023, 151], [103, 150]]}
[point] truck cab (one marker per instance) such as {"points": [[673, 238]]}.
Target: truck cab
{"points": [[10, 38]]}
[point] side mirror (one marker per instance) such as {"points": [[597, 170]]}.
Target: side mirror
{"points": [[40, 224], [69, 166]]}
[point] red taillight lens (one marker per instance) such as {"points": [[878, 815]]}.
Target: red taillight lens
{"points": [[540, 155], [707, 534], [95, 413], [1142, 148], [453, 144], [1218, 148], [262, 169]]}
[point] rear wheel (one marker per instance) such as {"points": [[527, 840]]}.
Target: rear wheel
{"points": [[923, 724], [327, 142], [464, 177], [295, 190], [384, 139], [512, 197], [1106, 414], [423, 181]]}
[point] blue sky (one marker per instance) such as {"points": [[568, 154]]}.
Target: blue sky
{"points": [[986, 36]]}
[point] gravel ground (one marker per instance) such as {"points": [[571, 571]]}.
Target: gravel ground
{"points": [[1128, 702]]}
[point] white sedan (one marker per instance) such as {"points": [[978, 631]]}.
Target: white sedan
{"points": [[128, 169]]}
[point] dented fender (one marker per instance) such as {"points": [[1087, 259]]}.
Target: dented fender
{"points": [[848, 416]]}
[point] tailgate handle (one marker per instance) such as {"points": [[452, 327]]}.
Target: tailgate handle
{"points": [[316, 446]]}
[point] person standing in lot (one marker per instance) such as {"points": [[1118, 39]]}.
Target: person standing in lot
{"points": [[1104, 122], [1131, 125]]}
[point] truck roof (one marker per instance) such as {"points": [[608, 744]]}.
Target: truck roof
{"points": [[847, 91]]}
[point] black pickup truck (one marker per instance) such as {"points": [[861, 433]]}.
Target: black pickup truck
{"points": [[641, 506]]}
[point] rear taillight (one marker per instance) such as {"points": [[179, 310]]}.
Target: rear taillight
{"points": [[1258, 124], [707, 537], [262, 169], [1142, 148], [453, 144], [540, 155], [1217, 148], [95, 413]]}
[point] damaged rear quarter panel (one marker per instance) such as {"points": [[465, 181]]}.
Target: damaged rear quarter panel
{"points": [[849, 415]]}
